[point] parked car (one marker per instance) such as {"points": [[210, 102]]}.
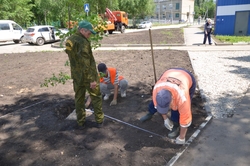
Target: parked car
{"points": [[145, 24], [41, 34], [11, 31]]}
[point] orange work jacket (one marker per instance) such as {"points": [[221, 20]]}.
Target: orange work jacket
{"points": [[179, 85]]}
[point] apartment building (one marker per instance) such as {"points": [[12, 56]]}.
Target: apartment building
{"points": [[174, 10]]}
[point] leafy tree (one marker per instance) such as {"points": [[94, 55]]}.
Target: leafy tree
{"points": [[49, 11], [17, 10], [198, 2], [204, 8], [137, 8]]}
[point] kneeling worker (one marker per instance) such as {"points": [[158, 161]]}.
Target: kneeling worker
{"points": [[173, 90], [111, 80]]}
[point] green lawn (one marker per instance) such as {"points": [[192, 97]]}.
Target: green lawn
{"points": [[233, 39]]}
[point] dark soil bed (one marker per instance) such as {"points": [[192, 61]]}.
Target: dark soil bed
{"points": [[33, 125], [159, 36]]}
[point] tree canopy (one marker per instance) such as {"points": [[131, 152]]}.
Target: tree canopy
{"points": [[19, 10], [58, 12], [31, 12], [205, 8]]}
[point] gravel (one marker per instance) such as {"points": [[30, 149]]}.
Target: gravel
{"points": [[223, 78]]}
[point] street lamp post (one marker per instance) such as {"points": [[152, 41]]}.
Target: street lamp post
{"points": [[171, 12]]}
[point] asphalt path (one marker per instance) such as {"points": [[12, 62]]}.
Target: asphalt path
{"points": [[11, 47]]}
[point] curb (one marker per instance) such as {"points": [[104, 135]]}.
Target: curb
{"points": [[140, 45], [241, 43], [56, 45], [223, 44], [189, 141], [231, 44]]}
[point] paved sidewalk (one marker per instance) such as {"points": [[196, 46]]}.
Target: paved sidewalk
{"points": [[222, 142], [193, 36]]}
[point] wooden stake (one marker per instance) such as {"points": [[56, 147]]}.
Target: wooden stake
{"points": [[153, 60]]}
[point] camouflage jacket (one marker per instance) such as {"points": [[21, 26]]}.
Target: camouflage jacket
{"points": [[82, 62]]}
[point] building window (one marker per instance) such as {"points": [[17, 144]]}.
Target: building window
{"points": [[177, 6], [177, 15], [170, 6], [164, 7], [158, 8]]}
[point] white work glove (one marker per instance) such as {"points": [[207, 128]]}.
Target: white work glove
{"points": [[179, 141], [168, 124], [113, 102]]}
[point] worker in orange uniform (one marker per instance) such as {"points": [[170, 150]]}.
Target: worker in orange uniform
{"points": [[174, 90], [110, 79]]}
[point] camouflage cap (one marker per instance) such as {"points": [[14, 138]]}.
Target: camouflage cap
{"points": [[86, 25]]}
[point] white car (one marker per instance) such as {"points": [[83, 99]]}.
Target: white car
{"points": [[11, 31], [41, 34], [145, 24]]}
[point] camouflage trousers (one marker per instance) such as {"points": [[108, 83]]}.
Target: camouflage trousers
{"points": [[96, 99]]}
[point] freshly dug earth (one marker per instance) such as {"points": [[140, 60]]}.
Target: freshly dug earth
{"points": [[33, 125]]}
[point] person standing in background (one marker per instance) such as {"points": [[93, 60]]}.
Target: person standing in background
{"points": [[207, 31], [199, 20]]}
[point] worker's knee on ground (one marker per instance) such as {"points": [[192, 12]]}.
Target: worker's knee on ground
{"points": [[103, 87], [123, 84]]}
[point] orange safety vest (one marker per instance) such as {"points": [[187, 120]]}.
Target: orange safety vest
{"points": [[180, 92], [112, 74]]}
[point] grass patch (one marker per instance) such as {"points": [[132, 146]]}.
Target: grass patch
{"points": [[163, 42], [156, 24], [233, 39], [168, 33]]}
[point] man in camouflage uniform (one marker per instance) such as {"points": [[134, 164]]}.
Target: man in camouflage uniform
{"points": [[84, 73]]}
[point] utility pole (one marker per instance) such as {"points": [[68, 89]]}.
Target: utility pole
{"points": [[159, 12], [189, 15], [171, 11]]}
